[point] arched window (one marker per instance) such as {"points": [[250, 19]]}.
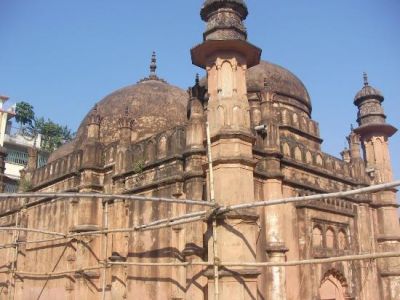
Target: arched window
{"points": [[330, 238], [342, 240], [317, 237]]}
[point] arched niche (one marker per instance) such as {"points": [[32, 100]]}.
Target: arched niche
{"points": [[317, 237], [286, 149], [318, 160], [330, 238], [333, 286], [226, 79], [162, 147], [150, 152], [342, 240], [297, 154], [309, 158]]}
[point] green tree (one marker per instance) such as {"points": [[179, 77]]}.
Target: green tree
{"points": [[53, 135], [24, 113]]}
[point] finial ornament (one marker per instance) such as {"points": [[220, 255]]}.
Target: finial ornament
{"points": [[153, 65], [365, 75], [197, 81], [153, 68]]}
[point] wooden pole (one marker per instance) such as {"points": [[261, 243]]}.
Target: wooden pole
{"points": [[214, 220]]}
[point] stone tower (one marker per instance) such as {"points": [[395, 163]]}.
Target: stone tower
{"points": [[226, 55], [374, 135]]}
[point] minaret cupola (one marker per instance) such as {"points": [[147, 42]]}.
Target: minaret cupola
{"points": [[224, 19], [370, 111]]}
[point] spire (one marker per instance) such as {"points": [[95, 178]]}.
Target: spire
{"points": [[153, 65], [365, 75], [153, 68], [94, 117]]}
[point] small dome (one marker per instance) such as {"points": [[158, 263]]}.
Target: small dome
{"points": [[154, 105], [212, 5], [368, 92]]}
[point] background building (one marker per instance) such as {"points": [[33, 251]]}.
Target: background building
{"points": [[17, 148]]}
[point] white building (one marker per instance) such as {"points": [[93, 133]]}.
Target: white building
{"points": [[16, 146]]}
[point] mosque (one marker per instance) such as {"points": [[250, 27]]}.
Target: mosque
{"points": [[150, 139]]}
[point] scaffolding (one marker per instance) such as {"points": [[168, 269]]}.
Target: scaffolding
{"points": [[213, 210]]}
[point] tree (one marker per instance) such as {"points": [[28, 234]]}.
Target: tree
{"points": [[53, 135], [24, 113]]}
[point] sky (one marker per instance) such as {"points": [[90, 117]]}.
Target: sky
{"points": [[63, 56]]}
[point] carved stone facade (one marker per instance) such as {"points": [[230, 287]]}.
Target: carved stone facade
{"points": [[150, 139]]}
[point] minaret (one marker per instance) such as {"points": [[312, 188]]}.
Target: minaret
{"points": [[374, 135], [226, 55]]}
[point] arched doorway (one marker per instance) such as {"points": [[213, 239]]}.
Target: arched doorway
{"points": [[333, 286]]}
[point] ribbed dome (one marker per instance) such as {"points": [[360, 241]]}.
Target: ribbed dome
{"points": [[368, 92], [212, 5], [154, 104]]}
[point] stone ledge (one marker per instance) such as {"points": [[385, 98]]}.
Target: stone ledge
{"points": [[276, 248], [388, 238], [242, 160], [390, 273]]}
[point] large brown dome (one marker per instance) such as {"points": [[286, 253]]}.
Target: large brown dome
{"points": [[154, 105], [280, 80]]}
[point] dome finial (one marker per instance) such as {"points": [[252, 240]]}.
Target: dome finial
{"points": [[153, 65], [365, 75]]}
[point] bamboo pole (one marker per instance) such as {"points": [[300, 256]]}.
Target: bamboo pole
{"points": [[226, 264], [19, 229], [198, 216], [369, 189], [104, 196], [214, 221], [105, 249], [140, 228], [62, 273], [11, 290], [166, 264], [315, 261]]}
